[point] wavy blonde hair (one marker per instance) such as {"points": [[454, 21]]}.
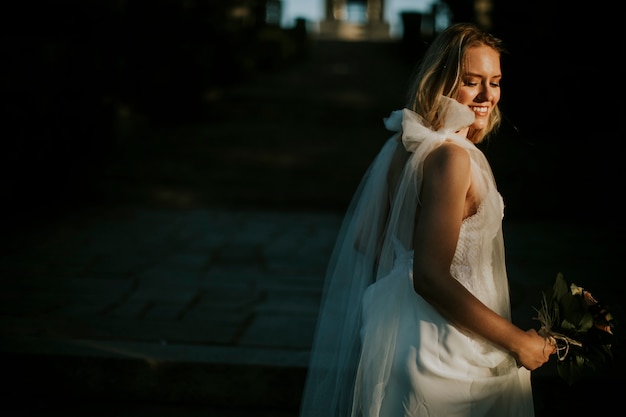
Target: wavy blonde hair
{"points": [[440, 72]]}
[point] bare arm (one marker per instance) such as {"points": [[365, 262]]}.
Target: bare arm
{"points": [[445, 189]]}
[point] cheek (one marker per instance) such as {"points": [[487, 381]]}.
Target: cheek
{"points": [[496, 96]]}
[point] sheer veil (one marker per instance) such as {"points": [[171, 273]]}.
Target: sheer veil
{"points": [[378, 222]]}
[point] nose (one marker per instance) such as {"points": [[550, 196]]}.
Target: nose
{"points": [[485, 94]]}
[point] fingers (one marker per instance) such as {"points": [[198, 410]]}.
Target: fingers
{"points": [[552, 343], [549, 347]]}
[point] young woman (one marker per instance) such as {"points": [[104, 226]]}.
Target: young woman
{"points": [[415, 315]]}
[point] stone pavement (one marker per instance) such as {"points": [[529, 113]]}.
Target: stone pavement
{"points": [[150, 288], [124, 311]]}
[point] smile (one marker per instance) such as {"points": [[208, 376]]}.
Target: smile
{"points": [[480, 110]]}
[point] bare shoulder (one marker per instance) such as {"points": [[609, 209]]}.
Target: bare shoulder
{"points": [[447, 182], [449, 157]]}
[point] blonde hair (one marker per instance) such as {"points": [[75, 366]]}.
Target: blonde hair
{"points": [[440, 73]]}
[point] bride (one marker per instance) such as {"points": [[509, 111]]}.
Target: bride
{"points": [[415, 314]]}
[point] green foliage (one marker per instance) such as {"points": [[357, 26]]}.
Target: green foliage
{"points": [[581, 327]]}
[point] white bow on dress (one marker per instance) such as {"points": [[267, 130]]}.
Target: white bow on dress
{"points": [[455, 116]]}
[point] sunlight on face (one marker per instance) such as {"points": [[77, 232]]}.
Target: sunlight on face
{"points": [[480, 88]]}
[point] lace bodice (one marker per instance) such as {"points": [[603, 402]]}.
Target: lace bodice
{"points": [[471, 264]]}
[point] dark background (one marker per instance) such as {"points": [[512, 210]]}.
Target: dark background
{"points": [[154, 103], [177, 104]]}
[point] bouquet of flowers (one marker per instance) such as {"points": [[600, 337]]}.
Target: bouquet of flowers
{"points": [[579, 326]]}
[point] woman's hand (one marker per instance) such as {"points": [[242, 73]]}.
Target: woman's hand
{"points": [[534, 350]]}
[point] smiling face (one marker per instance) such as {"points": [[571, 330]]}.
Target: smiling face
{"points": [[480, 83]]}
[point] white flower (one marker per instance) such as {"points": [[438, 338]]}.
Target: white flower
{"points": [[576, 290]]}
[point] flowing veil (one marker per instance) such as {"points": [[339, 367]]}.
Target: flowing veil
{"points": [[377, 222]]}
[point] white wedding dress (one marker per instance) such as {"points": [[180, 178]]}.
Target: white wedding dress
{"points": [[381, 350]]}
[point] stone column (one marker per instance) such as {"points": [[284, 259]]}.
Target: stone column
{"points": [[329, 16], [375, 11], [335, 10], [334, 14], [377, 27]]}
